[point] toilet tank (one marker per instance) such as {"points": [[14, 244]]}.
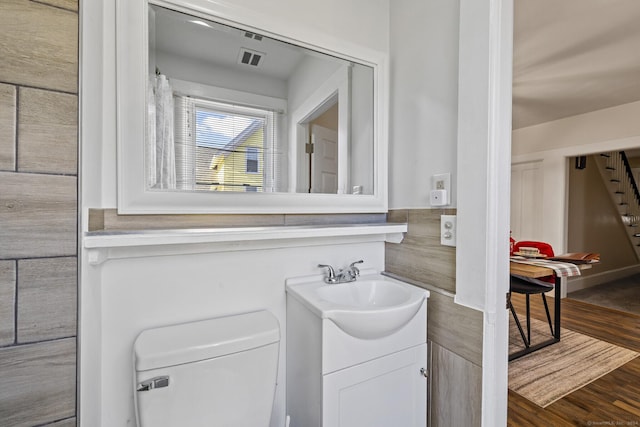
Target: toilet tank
{"points": [[216, 372]]}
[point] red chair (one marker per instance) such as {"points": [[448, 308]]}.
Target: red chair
{"points": [[526, 286], [544, 248]]}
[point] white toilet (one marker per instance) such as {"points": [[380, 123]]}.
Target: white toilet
{"points": [[217, 372]]}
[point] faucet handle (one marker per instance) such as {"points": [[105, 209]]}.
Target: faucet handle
{"points": [[331, 278], [355, 269]]}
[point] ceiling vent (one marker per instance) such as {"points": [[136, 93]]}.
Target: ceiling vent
{"points": [[250, 57], [253, 36]]}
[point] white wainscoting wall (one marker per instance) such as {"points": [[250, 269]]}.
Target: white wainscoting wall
{"points": [[126, 290]]}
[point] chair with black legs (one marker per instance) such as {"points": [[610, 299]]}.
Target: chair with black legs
{"points": [[529, 286]]}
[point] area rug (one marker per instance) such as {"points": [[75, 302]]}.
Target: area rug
{"points": [[553, 372]]}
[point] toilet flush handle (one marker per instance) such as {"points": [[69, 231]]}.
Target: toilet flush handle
{"points": [[157, 382]]}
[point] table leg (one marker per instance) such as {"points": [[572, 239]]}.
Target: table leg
{"points": [[556, 308]]}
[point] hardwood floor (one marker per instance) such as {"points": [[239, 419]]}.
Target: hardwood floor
{"points": [[614, 399]]}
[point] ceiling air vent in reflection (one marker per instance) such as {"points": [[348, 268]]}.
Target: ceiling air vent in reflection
{"points": [[250, 57], [253, 36]]}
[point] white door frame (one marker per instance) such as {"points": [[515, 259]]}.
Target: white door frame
{"points": [[484, 174], [336, 87]]}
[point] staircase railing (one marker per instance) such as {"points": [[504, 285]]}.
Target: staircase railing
{"points": [[625, 188], [632, 179]]}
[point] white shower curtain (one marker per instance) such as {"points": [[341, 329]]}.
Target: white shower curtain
{"points": [[185, 147], [161, 164]]}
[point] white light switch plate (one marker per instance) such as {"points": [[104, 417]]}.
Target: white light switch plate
{"points": [[448, 230]]}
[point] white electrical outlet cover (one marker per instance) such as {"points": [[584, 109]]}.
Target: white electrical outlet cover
{"points": [[438, 197], [445, 180]]}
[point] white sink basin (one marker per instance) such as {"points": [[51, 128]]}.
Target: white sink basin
{"points": [[368, 293], [372, 307]]}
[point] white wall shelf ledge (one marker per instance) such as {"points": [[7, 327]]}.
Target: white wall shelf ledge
{"points": [[104, 245]]}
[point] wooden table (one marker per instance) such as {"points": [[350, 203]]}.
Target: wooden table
{"points": [[535, 272]]}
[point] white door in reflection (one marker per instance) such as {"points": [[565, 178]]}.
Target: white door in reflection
{"points": [[324, 160]]}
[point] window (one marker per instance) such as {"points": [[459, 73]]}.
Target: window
{"points": [[231, 148], [252, 160]]}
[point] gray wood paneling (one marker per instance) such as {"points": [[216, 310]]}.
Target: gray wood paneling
{"points": [[96, 219], [327, 219], [7, 302], [38, 214], [69, 422], [47, 132], [456, 390], [51, 317], [398, 215], [420, 256], [455, 327], [64, 4], [38, 45], [108, 219], [38, 383], [422, 260], [7, 127]]}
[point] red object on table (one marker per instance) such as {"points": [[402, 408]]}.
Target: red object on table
{"points": [[543, 247], [512, 242]]}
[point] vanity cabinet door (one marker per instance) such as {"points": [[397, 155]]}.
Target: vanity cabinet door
{"points": [[388, 391]]}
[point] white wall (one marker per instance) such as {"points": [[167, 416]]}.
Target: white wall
{"points": [[423, 99], [610, 124], [123, 297], [362, 126], [309, 74], [193, 70], [616, 128]]}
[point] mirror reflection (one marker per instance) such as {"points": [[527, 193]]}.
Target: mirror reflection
{"points": [[232, 110]]}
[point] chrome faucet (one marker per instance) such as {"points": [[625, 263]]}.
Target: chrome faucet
{"points": [[331, 277], [354, 271], [349, 274]]}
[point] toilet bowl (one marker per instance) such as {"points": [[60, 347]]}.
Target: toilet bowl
{"points": [[216, 372]]}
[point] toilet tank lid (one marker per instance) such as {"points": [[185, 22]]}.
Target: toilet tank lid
{"points": [[205, 339]]}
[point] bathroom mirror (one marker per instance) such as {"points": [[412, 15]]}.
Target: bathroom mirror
{"points": [[218, 116]]}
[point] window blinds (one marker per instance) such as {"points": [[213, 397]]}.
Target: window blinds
{"points": [[227, 147]]}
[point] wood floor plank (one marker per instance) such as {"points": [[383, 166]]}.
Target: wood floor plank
{"points": [[610, 400]]}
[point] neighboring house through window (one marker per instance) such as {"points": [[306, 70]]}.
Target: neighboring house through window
{"points": [[228, 148], [252, 160]]}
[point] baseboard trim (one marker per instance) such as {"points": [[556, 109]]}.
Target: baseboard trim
{"points": [[584, 282]]}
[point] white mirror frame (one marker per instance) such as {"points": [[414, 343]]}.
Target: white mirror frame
{"points": [[132, 72]]}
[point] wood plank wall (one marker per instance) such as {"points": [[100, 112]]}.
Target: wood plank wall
{"points": [[109, 220], [38, 212], [454, 332]]}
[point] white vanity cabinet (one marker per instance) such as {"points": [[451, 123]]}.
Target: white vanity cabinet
{"points": [[389, 391], [337, 380]]}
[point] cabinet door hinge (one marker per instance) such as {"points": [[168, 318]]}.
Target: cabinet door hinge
{"points": [[308, 148]]}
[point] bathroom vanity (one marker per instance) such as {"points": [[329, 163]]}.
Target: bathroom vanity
{"points": [[356, 353]]}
